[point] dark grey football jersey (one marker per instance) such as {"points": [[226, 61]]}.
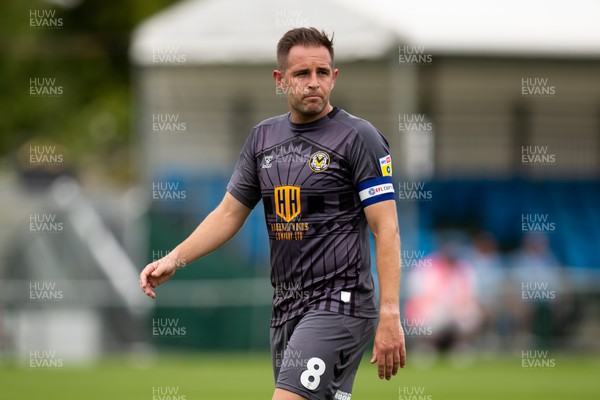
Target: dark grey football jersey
{"points": [[314, 180]]}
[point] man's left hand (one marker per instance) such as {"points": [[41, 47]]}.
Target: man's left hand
{"points": [[389, 351]]}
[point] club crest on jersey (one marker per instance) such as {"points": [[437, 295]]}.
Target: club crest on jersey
{"points": [[287, 202], [319, 161], [386, 165]]}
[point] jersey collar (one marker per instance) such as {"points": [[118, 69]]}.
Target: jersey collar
{"points": [[312, 124]]}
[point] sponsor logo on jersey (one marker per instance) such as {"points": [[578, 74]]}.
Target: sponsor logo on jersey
{"points": [[386, 165], [287, 202], [267, 162], [319, 161], [339, 395]]}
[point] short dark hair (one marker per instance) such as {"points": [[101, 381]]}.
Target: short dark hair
{"points": [[309, 37]]}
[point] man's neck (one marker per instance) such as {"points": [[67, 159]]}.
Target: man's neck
{"points": [[298, 118]]}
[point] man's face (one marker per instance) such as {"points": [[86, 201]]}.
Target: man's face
{"points": [[307, 82]]}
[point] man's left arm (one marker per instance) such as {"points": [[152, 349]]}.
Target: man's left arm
{"points": [[389, 351]]}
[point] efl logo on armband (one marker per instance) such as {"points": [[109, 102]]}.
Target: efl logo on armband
{"points": [[386, 165], [375, 190]]}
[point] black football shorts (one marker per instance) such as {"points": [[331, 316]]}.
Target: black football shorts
{"points": [[316, 355]]}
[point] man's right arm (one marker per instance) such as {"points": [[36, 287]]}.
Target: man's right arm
{"points": [[216, 229]]}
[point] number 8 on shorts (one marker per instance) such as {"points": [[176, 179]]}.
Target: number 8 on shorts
{"points": [[311, 378]]}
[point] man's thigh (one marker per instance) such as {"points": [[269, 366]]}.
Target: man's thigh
{"points": [[317, 356]]}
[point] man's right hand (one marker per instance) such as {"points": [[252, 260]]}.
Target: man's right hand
{"points": [[216, 229], [157, 273]]}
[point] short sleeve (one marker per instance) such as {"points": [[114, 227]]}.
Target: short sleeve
{"points": [[371, 166], [244, 184]]}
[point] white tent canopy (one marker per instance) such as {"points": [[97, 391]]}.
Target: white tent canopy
{"points": [[228, 31], [510, 27]]}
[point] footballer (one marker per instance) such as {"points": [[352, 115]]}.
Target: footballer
{"points": [[325, 178]]}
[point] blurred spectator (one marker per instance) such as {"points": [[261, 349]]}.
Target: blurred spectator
{"points": [[535, 262], [489, 279], [536, 281], [443, 295]]}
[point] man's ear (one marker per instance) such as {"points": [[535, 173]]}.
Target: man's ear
{"points": [[335, 75], [278, 77]]}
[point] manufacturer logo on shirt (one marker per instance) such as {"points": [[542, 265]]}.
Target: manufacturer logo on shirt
{"points": [[386, 165], [267, 162], [319, 161], [287, 202]]}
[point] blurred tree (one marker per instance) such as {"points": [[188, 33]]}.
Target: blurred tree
{"points": [[76, 49]]}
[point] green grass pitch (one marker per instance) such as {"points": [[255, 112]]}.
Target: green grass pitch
{"points": [[249, 377]]}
